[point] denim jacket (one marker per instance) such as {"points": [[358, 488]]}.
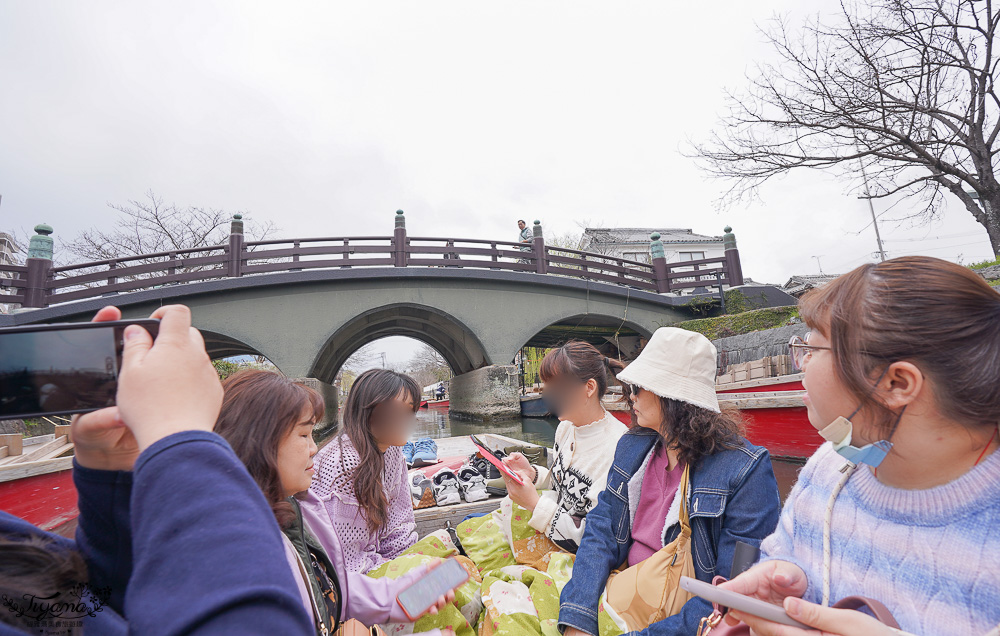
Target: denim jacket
{"points": [[733, 497]]}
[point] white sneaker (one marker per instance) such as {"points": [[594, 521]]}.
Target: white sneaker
{"points": [[446, 491], [421, 490], [471, 484]]}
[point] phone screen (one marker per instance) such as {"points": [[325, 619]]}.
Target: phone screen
{"points": [[52, 370], [418, 598]]}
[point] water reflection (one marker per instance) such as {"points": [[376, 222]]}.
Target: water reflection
{"points": [[437, 423]]}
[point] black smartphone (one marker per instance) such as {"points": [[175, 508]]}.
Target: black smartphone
{"points": [[62, 368], [423, 593]]}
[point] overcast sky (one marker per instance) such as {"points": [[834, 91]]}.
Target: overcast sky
{"points": [[327, 117]]}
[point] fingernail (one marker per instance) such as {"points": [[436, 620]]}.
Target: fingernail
{"points": [[793, 605], [131, 331]]}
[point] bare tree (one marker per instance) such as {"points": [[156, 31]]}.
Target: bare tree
{"points": [[427, 366], [149, 225], [898, 93]]}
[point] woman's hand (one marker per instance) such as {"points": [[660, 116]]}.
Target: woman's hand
{"points": [[443, 601], [524, 494], [170, 385], [827, 621], [517, 463], [100, 439], [572, 631], [770, 581]]}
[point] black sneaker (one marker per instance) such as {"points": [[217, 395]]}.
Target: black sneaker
{"points": [[485, 468]]}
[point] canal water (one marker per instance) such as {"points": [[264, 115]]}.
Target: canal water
{"points": [[438, 423]]}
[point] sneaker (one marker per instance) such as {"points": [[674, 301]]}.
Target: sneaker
{"points": [[425, 452], [422, 491], [537, 455], [446, 491], [496, 487], [471, 484], [485, 468], [408, 449]]}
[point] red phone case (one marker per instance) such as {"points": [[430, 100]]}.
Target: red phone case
{"points": [[491, 458]]}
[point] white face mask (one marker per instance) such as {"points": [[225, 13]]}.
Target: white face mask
{"points": [[840, 432]]}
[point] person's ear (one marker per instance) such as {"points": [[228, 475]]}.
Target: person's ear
{"points": [[591, 387], [901, 385]]}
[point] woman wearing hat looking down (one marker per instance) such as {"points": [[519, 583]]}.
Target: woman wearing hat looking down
{"points": [[684, 488]]}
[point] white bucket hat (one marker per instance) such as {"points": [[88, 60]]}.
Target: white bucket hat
{"points": [[676, 364]]}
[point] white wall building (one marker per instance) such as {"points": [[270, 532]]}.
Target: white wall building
{"points": [[633, 243], [8, 256]]}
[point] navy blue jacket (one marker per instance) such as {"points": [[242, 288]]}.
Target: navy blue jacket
{"points": [[734, 497], [204, 554]]}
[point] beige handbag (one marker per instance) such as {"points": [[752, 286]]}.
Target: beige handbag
{"points": [[650, 591]]}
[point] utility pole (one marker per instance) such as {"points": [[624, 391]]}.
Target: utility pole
{"points": [[818, 264], [871, 207]]}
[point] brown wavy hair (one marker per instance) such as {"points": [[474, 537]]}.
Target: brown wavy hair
{"points": [[582, 361], [371, 388], [940, 316], [697, 432], [260, 409]]}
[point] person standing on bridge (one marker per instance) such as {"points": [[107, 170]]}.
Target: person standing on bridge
{"points": [[525, 237]]}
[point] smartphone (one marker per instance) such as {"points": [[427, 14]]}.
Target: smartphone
{"points": [[739, 602], [423, 593], [492, 458], [61, 368]]}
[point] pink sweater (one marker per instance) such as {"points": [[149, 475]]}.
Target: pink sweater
{"points": [[333, 485]]}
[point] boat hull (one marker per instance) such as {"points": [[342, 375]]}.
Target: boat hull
{"points": [[47, 500], [534, 406]]}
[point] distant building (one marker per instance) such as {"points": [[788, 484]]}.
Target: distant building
{"points": [[632, 243], [8, 256], [798, 285]]}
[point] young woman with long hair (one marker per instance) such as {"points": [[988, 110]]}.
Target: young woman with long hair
{"points": [[268, 420], [680, 434], [907, 352], [575, 377], [361, 474]]}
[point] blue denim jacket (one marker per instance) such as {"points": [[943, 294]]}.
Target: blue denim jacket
{"points": [[734, 497]]}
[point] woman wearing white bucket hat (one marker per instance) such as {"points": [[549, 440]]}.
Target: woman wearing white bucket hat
{"points": [[680, 437]]}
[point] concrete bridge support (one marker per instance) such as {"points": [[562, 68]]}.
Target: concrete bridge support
{"points": [[489, 393], [328, 424]]}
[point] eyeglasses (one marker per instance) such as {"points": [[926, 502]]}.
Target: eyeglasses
{"points": [[801, 351]]}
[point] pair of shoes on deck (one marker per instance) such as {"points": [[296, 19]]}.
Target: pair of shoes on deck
{"points": [[423, 452], [495, 484], [447, 487]]}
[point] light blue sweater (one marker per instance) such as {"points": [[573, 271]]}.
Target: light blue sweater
{"points": [[932, 556]]}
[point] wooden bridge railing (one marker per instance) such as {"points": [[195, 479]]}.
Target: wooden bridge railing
{"points": [[38, 284]]}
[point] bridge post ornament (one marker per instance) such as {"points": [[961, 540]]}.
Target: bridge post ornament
{"points": [[236, 227], [729, 239], [400, 219], [40, 245], [656, 246]]}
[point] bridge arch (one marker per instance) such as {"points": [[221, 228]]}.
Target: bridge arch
{"points": [[461, 348], [597, 329], [220, 345]]}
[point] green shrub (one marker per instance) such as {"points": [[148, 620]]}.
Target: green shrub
{"points": [[744, 322]]}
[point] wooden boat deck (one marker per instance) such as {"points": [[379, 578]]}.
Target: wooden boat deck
{"points": [[430, 519]]}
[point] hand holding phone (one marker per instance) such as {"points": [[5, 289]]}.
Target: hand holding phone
{"points": [[739, 602], [492, 458], [423, 593], [167, 386]]}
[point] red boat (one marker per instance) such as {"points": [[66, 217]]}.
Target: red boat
{"points": [[36, 480]]}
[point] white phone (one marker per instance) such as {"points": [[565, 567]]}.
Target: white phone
{"points": [[739, 602]]}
